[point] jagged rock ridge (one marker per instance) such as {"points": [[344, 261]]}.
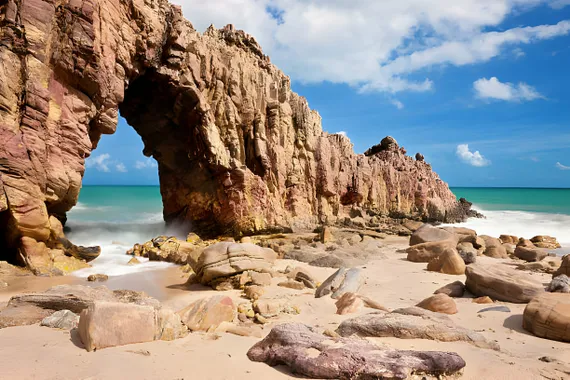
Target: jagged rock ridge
{"points": [[237, 150]]}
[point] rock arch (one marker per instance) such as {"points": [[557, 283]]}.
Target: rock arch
{"points": [[238, 151]]}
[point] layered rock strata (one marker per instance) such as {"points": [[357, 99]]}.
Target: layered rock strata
{"points": [[237, 150]]}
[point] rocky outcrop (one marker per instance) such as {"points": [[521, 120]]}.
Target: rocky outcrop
{"points": [[237, 150], [548, 316], [316, 356]]}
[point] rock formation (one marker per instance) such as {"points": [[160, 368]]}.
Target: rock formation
{"points": [[237, 150]]}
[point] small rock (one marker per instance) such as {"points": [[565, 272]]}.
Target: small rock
{"points": [[564, 267], [449, 262], [193, 238], [467, 252], [253, 292], [530, 254], [372, 304], [98, 277], [547, 359], [292, 284], [331, 333], [503, 309], [261, 319], [439, 303], [269, 307], [3, 284], [455, 289], [326, 235], [62, 319], [348, 303], [133, 261], [560, 284], [246, 239], [482, 300], [261, 279], [342, 281]]}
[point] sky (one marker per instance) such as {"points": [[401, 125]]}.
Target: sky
{"points": [[480, 87]]}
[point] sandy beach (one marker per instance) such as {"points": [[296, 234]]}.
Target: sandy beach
{"points": [[34, 352]]}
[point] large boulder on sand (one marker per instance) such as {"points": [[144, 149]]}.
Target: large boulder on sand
{"points": [[439, 303], [502, 283], [449, 262], [425, 252], [428, 233], [227, 258], [548, 316], [455, 289], [109, 324], [208, 313], [412, 323], [530, 254], [547, 242], [317, 356], [494, 248]]}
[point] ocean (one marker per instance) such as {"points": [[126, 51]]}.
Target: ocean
{"points": [[117, 217]]}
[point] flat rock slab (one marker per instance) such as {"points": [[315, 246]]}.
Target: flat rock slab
{"points": [[316, 356], [412, 323], [503, 309], [548, 316], [502, 283], [28, 309]]}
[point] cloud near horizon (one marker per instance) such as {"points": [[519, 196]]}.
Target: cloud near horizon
{"points": [[562, 167], [493, 88], [472, 158], [342, 41], [146, 164], [100, 162]]}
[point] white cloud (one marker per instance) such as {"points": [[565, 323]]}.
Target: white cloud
{"points": [[398, 104], [147, 163], [121, 167], [495, 89], [101, 162], [471, 158], [518, 53], [342, 133], [375, 45], [562, 167], [559, 4]]}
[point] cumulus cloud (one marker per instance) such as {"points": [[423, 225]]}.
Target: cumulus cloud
{"points": [[146, 164], [121, 167], [398, 104], [493, 88], [376, 45], [343, 133], [471, 158], [101, 162], [518, 53], [562, 167]]}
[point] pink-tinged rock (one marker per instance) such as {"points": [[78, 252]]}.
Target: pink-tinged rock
{"points": [[317, 356], [110, 324], [208, 313]]}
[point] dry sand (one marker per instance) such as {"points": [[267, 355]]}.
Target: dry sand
{"points": [[35, 352]]}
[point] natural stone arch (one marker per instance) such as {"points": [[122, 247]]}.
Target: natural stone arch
{"points": [[238, 151]]}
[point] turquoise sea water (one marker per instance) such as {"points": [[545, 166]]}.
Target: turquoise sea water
{"points": [[117, 217]]}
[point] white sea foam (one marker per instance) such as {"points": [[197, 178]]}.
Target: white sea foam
{"points": [[521, 223]]}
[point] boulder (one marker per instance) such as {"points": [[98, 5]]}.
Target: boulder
{"points": [[439, 303], [327, 235], [543, 266], [548, 316], [292, 284], [342, 281], [304, 276], [509, 239], [510, 248], [547, 242], [525, 243], [97, 277], [412, 323], [564, 267], [412, 225], [462, 234], [348, 303], [317, 356], [227, 259], [560, 284], [253, 292], [494, 248], [208, 313], [62, 319], [425, 252], [428, 233], [108, 324], [502, 283], [530, 254], [133, 261], [449, 262], [467, 252], [455, 289]]}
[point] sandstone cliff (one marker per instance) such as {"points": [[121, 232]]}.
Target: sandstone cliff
{"points": [[237, 150]]}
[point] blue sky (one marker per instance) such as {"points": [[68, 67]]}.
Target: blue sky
{"points": [[479, 87]]}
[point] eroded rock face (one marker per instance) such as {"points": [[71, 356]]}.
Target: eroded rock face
{"points": [[237, 150], [316, 356]]}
